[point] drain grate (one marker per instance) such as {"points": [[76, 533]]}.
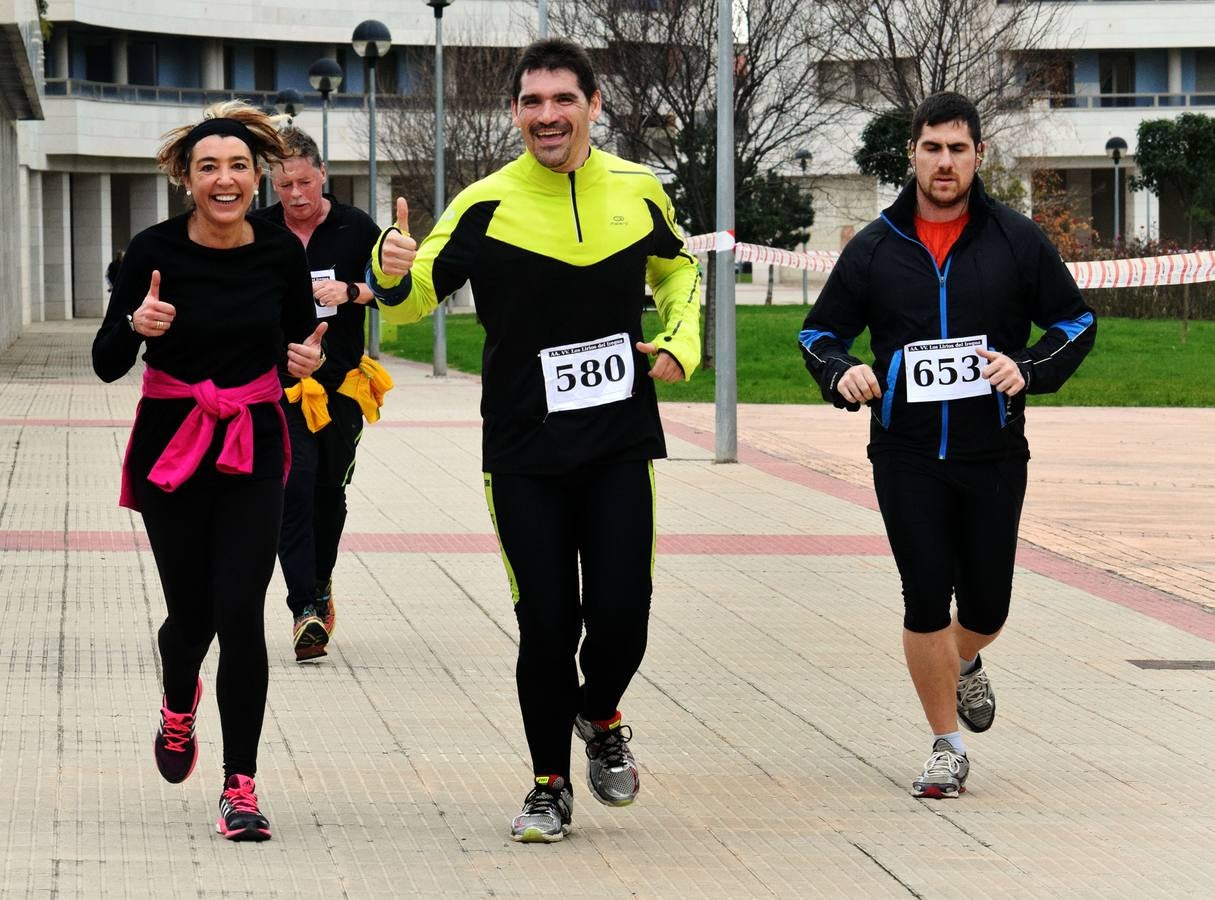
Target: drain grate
{"points": [[1173, 663]]}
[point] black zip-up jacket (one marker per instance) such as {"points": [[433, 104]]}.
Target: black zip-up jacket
{"points": [[1000, 275]]}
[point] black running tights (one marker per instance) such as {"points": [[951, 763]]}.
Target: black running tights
{"points": [[214, 540], [602, 517]]}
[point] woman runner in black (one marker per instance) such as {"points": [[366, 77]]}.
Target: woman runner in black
{"points": [[224, 304]]}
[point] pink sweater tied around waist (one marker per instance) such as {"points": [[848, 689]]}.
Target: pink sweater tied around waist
{"points": [[181, 458]]}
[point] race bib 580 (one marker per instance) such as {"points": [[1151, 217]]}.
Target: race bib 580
{"points": [[579, 376]]}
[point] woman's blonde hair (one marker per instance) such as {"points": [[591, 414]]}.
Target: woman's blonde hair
{"points": [[174, 154]]}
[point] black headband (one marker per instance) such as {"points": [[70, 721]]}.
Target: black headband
{"points": [[225, 127]]}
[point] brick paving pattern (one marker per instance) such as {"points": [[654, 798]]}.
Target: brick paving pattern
{"points": [[775, 725]]}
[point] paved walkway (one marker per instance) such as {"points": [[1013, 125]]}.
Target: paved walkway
{"points": [[775, 725]]}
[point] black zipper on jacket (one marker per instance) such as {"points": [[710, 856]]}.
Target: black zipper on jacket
{"points": [[574, 201]]}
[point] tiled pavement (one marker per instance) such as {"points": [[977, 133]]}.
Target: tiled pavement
{"points": [[775, 725]]}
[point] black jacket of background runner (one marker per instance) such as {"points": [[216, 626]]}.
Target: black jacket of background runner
{"points": [[1000, 275], [342, 242]]}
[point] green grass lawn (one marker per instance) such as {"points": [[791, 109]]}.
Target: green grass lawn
{"points": [[1137, 362]]}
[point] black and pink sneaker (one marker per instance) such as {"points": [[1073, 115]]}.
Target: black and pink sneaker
{"points": [[239, 818], [175, 746]]}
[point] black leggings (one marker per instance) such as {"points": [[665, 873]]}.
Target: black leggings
{"points": [[952, 527], [214, 540], [602, 516], [314, 508]]}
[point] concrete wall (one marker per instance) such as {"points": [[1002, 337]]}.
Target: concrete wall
{"points": [[12, 276]]}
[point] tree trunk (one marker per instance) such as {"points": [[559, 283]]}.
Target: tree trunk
{"points": [[708, 355], [771, 278]]}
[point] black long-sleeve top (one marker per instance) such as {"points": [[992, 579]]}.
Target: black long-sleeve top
{"points": [[236, 311]]}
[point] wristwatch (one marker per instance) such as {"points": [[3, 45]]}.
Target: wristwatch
{"points": [[352, 291]]}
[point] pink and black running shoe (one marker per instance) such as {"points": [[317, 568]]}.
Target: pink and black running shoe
{"points": [[239, 818], [175, 746]]}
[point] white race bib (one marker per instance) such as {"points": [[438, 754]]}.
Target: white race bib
{"points": [[323, 275], [945, 369], [579, 376]]}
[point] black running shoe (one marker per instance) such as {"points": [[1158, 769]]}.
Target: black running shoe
{"points": [[176, 747], [239, 818], [325, 609], [308, 635]]}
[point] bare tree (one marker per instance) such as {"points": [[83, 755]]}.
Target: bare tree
{"points": [[478, 135], [888, 55], [658, 64]]}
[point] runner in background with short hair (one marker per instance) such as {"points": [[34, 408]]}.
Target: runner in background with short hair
{"points": [[325, 412], [948, 281], [559, 245]]}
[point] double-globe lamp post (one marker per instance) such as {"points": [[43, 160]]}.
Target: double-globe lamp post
{"points": [[1114, 148], [440, 314], [325, 75], [372, 41]]}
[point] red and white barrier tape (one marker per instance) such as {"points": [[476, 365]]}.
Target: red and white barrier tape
{"points": [[1147, 271]]}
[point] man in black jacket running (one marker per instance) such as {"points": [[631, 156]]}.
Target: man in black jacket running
{"points": [[948, 281]]}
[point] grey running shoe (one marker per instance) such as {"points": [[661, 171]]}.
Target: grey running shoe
{"points": [[611, 770], [546, 814], [944, 775], [976, 699]]}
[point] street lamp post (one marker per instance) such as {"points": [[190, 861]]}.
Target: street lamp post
{"points": [[325, 75], [803, 158], [440, 313], [1114, 148], [371, 40], [542, 18], [287, 101]]}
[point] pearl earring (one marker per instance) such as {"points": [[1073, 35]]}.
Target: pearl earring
{"points": [[188, 194]]}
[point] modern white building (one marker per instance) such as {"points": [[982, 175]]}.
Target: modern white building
{"points": [[20, 103], [120, 73], [1112, 64]]}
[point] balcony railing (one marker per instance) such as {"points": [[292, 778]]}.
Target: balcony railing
{"points": [[185, 96], [1114, 101]]}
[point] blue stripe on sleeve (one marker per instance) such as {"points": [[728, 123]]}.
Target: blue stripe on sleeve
{"points": [[809, 336], [1074, 327]]}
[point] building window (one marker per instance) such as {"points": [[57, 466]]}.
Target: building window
{"points": [[1117, 74], [229, 67], [1204, 70], [264, 75], [141, 62], [98, 63]]}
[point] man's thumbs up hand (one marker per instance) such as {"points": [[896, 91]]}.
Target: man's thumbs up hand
{"points": [[398, 249]]}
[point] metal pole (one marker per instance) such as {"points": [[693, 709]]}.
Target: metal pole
{"points": [[325, 136], [1116, 198], [805, 287], [542, 16], [726, 407], [440, 315], [373, 320]]}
